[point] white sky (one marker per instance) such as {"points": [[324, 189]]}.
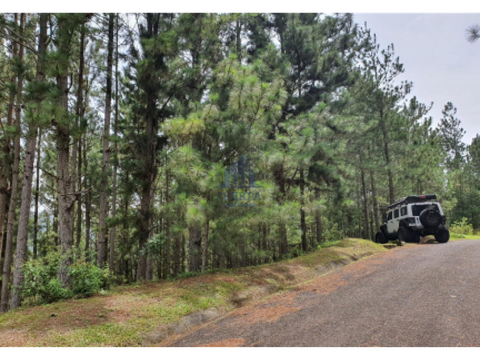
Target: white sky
{"points": [[438, 59]]}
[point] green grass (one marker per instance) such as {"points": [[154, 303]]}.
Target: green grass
{"points": [[463, 237], [327, 244], [122, 315]]}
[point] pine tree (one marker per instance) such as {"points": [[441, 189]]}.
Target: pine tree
{"points": [[67, 25], [158, 47], [37, 92], [15, 168], [474, 151], [102, 236], [381, 68], [451, 134]]}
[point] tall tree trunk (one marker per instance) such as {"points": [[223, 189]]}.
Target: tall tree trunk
{"points": [[183, 255], [176, 255], [22, 236], [366, 233], [205, 246], [65, 183], [195, 243], [264, 243], [102, 223], [65, 190], [386, 151], [37, 194], [15, 175], [318, 219], [113, 230], [166, 263], [77, 153], [78, 230], [243, 252], [303, 224], [283, 241], [88, 203], [5, 170], [375, 201], [279, 176], [4, 189], [144, 231], [3, 203], [55, 215], [149, 154]]}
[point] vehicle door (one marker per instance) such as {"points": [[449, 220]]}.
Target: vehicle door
{"points": [[391, 223]]}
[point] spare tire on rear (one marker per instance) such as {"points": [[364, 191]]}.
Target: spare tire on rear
{"points": [[430, 218]]}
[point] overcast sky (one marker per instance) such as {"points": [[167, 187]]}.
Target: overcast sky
{"points": [[438, 59]]}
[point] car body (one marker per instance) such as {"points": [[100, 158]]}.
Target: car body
{"points": [[413, 217]]}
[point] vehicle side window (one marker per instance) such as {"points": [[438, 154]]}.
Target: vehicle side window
{"points": [[403, 211], [389, 216], [395, 215]]}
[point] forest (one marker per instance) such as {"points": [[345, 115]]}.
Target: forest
{"points": [[118, 131]]}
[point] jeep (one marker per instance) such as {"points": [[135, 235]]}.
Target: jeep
{"points": [[412, 217]]}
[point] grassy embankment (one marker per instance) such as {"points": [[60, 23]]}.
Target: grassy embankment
{"points": [[121, 316]]}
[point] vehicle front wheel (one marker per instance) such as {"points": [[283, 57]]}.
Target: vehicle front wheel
{"points": [[404, 234], [380, 238], [442, 236]]}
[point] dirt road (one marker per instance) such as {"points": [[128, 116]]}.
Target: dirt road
{"points": [[423, 295]]}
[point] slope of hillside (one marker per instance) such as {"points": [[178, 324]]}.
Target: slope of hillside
{"points": [[126, 315]]}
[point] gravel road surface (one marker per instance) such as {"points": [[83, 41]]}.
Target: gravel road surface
{"points": [[419, 295]]}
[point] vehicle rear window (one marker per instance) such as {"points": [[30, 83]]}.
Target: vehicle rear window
{"points": [[403, 211], [417, 209], [395, 213]]}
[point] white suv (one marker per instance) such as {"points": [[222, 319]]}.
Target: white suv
{"points": [[412, 217]]}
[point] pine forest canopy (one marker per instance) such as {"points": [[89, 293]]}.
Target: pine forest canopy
{"points": [[117, 130]]}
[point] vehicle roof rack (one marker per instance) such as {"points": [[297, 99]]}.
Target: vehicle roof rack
{"points": [[413, 199]]}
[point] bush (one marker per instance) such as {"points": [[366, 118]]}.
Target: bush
{"points": [[462, 227], [41, 284], [40, 280], [88, 279], [331, 231]]}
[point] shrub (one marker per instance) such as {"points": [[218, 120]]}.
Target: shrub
{"points": [[41, 284], [88, 279], [462, 227]]}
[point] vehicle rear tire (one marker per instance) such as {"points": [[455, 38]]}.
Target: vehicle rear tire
{"points": [[415, 237], [380, 238], [442, 236], [404, 234]]}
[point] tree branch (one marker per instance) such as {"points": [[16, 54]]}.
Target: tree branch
{"points": [[19, 42]]}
